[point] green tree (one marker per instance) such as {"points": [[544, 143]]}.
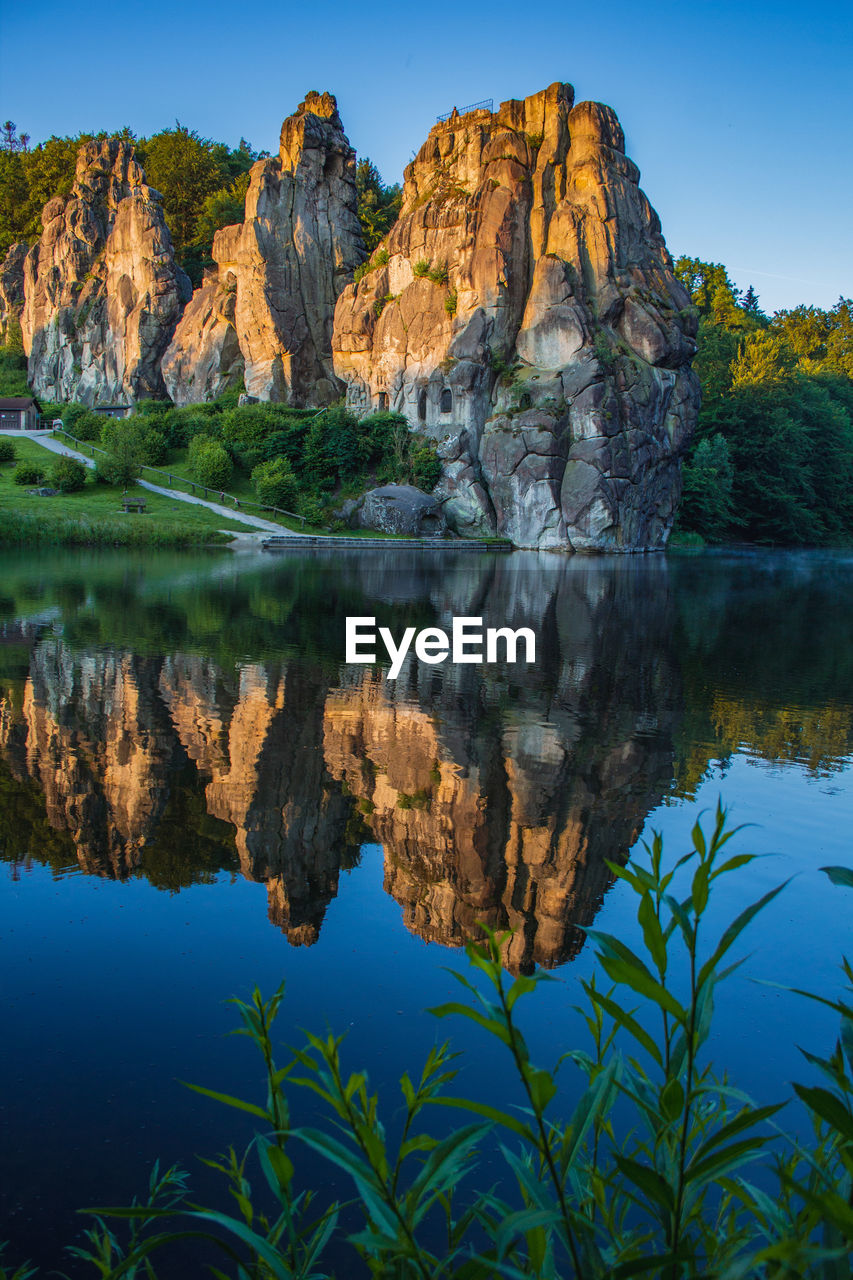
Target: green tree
{"points": [[185, 169], [706, 504], [378, 205], [124, 440]]}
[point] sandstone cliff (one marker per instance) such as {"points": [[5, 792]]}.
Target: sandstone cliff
{"points": [[524, 313], [280, 272], [12, 291], [102, 291]]}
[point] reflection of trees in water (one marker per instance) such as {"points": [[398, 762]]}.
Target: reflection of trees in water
{"points": [[766, 660], [496, 793]]}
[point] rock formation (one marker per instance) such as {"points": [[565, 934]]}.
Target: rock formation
{"points": [[102, 291], [523, 312], [12, 291], [280, 272], [204, 358]]}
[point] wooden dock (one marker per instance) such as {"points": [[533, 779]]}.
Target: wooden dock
{"points": [[318, 542]]}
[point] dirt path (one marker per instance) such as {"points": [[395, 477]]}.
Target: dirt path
{"points": [[46, 440]]}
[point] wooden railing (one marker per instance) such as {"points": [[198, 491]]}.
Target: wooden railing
{"points": [[174, 481]]}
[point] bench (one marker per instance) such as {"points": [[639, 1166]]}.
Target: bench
{"points": [[133, 504]]}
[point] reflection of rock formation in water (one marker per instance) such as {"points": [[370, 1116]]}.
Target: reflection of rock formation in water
{"points": [[99, 744], [497, 794], [501, 802], [267, 778]]}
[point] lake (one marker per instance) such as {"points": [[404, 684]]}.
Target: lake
{"points": [[198, 795]]}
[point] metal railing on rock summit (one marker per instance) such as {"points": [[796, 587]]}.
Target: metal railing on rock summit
{"points": [[486, 105]]}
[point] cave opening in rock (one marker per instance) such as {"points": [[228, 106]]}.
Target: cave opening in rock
{"points": [[422, 406], [383, 401], [446, 403]]}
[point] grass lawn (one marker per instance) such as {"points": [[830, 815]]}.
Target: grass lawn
{"points": [[98, 503]]}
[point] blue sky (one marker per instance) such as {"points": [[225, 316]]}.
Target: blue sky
{"points": [[739, 116]]}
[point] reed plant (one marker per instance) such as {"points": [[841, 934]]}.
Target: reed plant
{"points": [[662, 1169]]}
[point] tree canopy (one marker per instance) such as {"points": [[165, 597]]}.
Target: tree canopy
{"points": [[772, 460]]}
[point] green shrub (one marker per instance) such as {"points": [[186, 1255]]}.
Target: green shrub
{"points": [[438, 274], [275, 484], [312, 509], [209, 462], [28, 473], [426, 467], [67, 475], [8, 452], [155, 448], [421, 268], [81, 422], [647, 1176], [450, 302]]}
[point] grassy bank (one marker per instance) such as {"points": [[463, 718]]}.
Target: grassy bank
{"points": [[93, 517]]}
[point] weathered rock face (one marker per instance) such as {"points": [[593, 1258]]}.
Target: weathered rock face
{"points": [[401, 508], [297, 249], [12, 290], [524, 313], [102, 291], [204, 358]]}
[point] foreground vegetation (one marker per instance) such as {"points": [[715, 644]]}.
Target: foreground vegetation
{"points": [[663, 1169]]}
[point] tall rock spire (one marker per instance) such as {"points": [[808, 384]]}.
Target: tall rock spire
{"points": [[279, 273], [102, 291]]}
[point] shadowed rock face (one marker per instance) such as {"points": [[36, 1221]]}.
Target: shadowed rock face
{"points": [[12, 289], [102, 291], [289, 260], [523, 312]]}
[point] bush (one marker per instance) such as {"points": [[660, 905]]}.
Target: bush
{"points": [[155, 449], [68, 475], [28, 473], [209, 462], [275, 484], [8, 452], [81, 422], [426, 467], [645, 1177], [421, 268], [312, 509]]}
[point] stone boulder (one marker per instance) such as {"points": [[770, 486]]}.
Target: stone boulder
{"points": [[401, 508], [298, 247], [523, 312], [102, 290], [12, 291]]}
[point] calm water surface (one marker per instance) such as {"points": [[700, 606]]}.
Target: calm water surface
{"points": [[197, 796]]}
